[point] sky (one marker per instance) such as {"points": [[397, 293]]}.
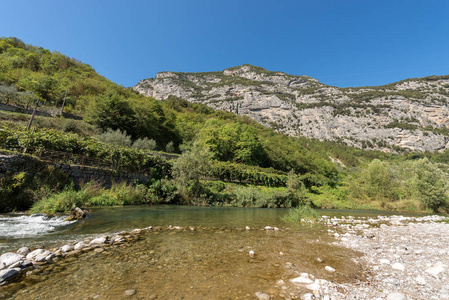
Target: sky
{"points": [[339, 42]]}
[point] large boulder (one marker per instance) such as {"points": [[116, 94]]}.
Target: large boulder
{"points": [[9, 259], [77, 214]]}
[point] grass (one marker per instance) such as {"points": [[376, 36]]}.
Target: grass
{"points": [[90, 195], [300, 214]]}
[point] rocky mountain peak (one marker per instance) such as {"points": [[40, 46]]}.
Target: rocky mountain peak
{"points": [[411, 114]]}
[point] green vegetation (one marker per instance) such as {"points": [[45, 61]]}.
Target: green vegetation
{"points": [[302, 213], [225, 160]]}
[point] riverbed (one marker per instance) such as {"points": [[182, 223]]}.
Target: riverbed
{"points": [[192, 253]]}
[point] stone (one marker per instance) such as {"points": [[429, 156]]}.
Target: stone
{"points": [[329, 269], [130, 292], [77, 214], [23, 251], [252, 253], [435, 270], [100, 240], [313, 286], [398, 266], [307, 296], [247, 228], [8, 273], [384, 261], [66, 248], [8, 259], [79, 246], [268, 228], [262, 296], [280, 282], [395, 296], [33, 254], [301, 280]]}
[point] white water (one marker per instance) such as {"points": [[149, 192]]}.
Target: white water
{"points": [[25, 226]]}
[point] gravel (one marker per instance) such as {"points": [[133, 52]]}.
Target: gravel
{"points": [[405, 258]]}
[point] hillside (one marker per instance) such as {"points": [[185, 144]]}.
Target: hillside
{"points": [[412, 114]]}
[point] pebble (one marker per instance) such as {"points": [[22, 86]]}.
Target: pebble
{"points": [[8, 273], [130, 292], [396, 296], [252, 253], [262, 296], [398, 266], [329, 269], [301, 280]]}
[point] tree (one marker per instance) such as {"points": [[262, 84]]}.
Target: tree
{"points": [[428, 183], [111, 111]]}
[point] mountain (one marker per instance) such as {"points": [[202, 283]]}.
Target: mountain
{"points": [[412, 114]]}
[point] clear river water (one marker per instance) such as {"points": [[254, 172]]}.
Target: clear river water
{"points": [[210, 262]]}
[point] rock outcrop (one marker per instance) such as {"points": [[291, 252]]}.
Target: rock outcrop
{"points": [[411, 114]]}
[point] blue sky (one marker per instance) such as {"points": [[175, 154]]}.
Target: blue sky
{"points": [[339, 42]]}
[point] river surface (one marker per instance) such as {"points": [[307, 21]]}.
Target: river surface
{"points": [[210, 262]]}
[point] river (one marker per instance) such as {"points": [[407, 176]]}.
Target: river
{"points": [[210, 262]]}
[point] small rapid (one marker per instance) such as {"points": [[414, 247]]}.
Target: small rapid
{"points": [[27, 226]]}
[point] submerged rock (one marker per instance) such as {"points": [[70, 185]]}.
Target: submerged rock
{"points": [[5, 274], [130, 292], [262, 296]]}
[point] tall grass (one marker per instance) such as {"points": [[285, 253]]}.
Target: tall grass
{"points": [[93, 194], [302, 213]]}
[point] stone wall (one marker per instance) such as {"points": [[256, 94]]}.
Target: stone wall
{"points": [[77, 174]]}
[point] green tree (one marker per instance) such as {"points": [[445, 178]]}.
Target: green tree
{"points": [[427, 183], [111, 111]]}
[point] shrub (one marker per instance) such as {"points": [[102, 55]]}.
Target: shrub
{"points": [[145, 143], [302, 213], [117, 137]]}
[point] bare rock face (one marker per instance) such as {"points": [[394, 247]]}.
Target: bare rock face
{"points": [[412, 114]]}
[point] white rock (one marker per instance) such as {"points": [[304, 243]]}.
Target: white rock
{"points": [[319, 260], [5, 274], [268, 228], [307, 296], [313, 286], [33, 254], [396, 296], [329, 269], [384, 261], [23, 251], [100, 240], [262, 296], [252, 253], [247, 228], [8, 259], [435, 270], [79, 246], [420, 280], [398, 266], [42, 257], [301, 280], [50, 257], [280, 282], [276, 229], [66, 248]]}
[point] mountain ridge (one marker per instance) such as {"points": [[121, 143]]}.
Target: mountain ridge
{"points": [[411, 114]]}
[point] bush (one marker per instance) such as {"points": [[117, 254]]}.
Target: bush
{"points": [[302, 213], [115, 137], [145, 143]]}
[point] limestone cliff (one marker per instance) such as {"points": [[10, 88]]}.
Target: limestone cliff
{"points": [[411, 114]]}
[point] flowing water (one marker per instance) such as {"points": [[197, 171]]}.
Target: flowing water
{"points": [[210, 262]]}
